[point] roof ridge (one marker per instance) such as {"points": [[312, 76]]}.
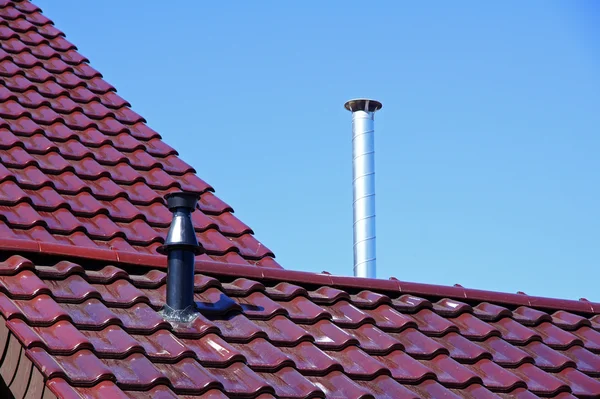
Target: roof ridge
{"points": [[457, 292]]}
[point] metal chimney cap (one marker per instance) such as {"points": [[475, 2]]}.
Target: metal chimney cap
{"points": [[363, 104], [181, 199], [182, 234]]}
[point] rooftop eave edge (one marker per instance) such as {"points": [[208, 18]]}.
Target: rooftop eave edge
{"points": [[293, 276]]}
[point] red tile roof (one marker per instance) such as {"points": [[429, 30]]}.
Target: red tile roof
{"points": [[79, 170], [95, 331], [82, 180]]}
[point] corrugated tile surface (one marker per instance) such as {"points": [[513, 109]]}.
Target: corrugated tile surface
{"points": [[97, 331], [79, 167]]}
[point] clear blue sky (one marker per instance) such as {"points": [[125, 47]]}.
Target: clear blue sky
{"points": [[487, 148]]}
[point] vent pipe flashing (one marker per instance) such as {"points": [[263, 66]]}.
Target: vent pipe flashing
{"points": [[363, 184], [181, 247]]}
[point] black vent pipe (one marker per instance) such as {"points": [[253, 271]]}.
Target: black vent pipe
{"points": [[181, 246]]}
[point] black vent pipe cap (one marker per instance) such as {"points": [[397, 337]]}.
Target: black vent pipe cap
{"points": [[181, 234], [182, 200]]}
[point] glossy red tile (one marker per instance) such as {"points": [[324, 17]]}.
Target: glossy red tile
{"points": [[39, 311], [339, 386], [106, 275], [286, 291], [38, 144], [473, 328], [112, 342], [504, 353], [82, 367], [26, 126], [327, 335], [404, 368], [461, 349], [152, 279], [289, 383], [238, 379], [373, 340], [91, 314], [587, 362], [250, 247], [388, 319], [357, 363], [475, 391], [495, 377], [31, 98], [556, 337], [431, 323], [142, 319], [120, 293], [100, 227], [61, 338], [72, 289], [569, 321], [282, 331], [67, 183], [369, 299], [135, 372], [242, 286], [187, 376], [514, 332], [547, 358], [213, 302], [15, 264], [261, 355], [24, 285], [162, 346], [11, 193], [213, 351], [385, 387], [529, 316], [237, 327], [108, 155], [580, 384], [451, 308], [195, 329], [418, 344], [105, 389], [60, 270], [212, 205], [302, 309], [159, 148], [9, 140], [215, 242], [163, 392], [595, 322], [258, 305], [539, 382], [451, 373], [347, 315], [229, 224]]}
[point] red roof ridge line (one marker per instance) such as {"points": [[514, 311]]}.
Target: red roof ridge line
{"points": [[294, 276]]}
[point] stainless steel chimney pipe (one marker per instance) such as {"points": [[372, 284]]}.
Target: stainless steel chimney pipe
{"points": [[363, 184]]}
